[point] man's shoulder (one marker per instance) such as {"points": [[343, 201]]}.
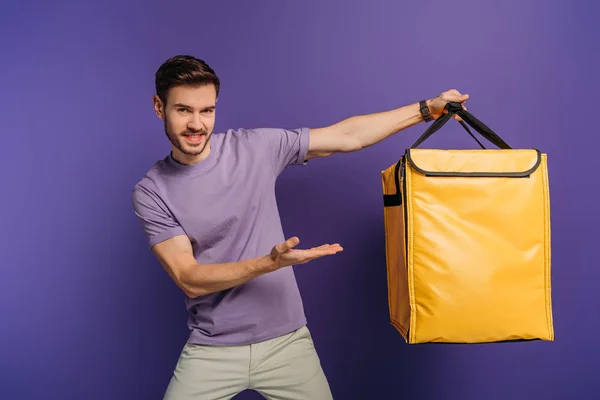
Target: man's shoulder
{"points": [[235, 142], [260, 137], [152, 179], [257, 134]]}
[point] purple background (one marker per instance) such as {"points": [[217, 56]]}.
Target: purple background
{"points": [[86, 312]]}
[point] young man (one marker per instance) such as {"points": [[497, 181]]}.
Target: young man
{"points": [[210, 215]]}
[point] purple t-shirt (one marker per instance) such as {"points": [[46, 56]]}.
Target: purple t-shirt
{"points": [[226, 206]]}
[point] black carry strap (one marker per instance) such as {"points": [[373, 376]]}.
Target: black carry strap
{"points": [[480, 127]]}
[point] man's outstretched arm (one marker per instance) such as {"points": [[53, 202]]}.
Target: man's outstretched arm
{"points": [[177, 258], [358, 132]]}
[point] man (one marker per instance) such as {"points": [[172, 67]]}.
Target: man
{"points": [[211, 218]]}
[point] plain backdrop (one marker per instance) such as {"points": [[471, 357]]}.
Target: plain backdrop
{"points": [[86, 312]]}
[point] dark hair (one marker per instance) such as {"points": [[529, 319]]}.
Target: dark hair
{"points": [[183, 70]]}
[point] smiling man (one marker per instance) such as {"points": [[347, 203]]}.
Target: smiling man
{"points": [[210, 215]]}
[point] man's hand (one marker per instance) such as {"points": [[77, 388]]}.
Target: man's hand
{"points": [[437, 104], [284, 254]]}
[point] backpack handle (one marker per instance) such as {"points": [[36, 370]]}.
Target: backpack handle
{"points": [[480, 127]]}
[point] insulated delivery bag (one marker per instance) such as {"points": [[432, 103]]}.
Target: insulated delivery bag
{"points": [[468, 241]]}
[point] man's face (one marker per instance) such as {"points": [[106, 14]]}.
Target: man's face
{"points": [[189, 119]]}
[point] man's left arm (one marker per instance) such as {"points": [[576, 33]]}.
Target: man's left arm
{"points": [[359, 132]]}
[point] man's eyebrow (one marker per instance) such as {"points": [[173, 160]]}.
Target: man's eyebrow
{"points": [[181, 105]]}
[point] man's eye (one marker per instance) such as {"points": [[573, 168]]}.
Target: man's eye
{"points": [[183, 110]]}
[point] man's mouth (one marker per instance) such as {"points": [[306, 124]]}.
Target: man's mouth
{"points": [[194, 137]]}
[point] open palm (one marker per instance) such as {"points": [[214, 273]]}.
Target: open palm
{"points": [[285, 254]]}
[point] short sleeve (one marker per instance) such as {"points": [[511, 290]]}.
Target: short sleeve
{"points": [[157, 222], [288, 146]]}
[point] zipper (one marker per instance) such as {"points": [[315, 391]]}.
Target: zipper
{"points": [[405, 213], [403, 183]]}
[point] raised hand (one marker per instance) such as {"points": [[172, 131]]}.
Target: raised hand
{"points": [[437, 104], [284, 254]]}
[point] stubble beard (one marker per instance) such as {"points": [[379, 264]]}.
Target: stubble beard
{"points": [[177, 141]]}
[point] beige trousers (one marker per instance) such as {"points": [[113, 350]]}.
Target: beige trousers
{"points": [[283, 368]]}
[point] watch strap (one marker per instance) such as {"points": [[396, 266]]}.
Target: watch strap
{"points": [[424, 111]]}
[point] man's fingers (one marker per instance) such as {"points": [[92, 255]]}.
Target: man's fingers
{"points": [[300, 256], [327, 246], [326, 250], [455, 96], [324, 246]]}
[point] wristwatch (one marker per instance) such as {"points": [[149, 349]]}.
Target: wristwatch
{"points": [[424, 110]]}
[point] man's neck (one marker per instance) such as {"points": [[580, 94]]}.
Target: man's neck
{"points": [[187, 159]]}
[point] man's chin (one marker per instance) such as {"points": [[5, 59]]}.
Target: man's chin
{"points": [[192, 150]]}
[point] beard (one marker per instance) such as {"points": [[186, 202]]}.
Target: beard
{"points": [[189, 149]]}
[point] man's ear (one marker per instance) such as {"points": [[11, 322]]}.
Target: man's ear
{"points": [[158, 106]]}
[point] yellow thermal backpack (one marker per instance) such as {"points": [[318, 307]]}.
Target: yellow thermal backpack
{"points": [[468, 241]]}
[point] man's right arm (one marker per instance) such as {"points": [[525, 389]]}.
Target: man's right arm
{"points": [[177, 258], [173, 250]]}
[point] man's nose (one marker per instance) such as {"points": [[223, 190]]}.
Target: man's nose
{"points": [[195, 123]]}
